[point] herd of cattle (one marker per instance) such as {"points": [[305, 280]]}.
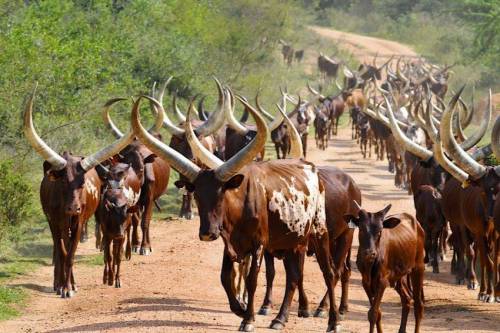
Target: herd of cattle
{"points": [[288, 207]]}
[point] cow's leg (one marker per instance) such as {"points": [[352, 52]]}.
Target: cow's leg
{"points": [[324, 258], [486, 293], [251, 284], [135, 233], [267, 304], [226, 276], [344, 259], [128, 247], [292, 269], [76, 230], [107, 258], [117, 260], [85, 233], [97, 232], [496, 266], [417, 281], [303, 301], [402, 289], [145, 222], [374, 314], [435, 248], [277, 148], [470, 253]]}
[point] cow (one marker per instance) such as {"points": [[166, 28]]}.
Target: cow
{"points": [[252, 206], [153, 174], [299, 55], [321, 126], [281, 140], [287, 52], [328, 67], [365, 134], [430, 215], [69, 194], [390, 253]]}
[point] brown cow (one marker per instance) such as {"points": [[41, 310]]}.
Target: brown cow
{"points": [[69, 193], [253, 205], [120, 198], [391, 253]]}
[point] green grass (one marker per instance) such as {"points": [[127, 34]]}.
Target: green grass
{"points": [[90, 260], [12, 300]]}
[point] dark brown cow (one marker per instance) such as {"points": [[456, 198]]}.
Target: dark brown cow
{"points": [[328, 67], [69, 193], [122, 190], [299, 55], [247, 204], [365, 134], [430, 216], [287, 51], [391, 253], [321, 126]]}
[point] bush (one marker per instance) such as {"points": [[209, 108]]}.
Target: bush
{"points": [[16, 200]]}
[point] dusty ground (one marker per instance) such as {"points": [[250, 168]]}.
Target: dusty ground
{"points": [[177, 289]]}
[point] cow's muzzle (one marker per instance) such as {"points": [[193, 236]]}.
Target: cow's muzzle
{"points": [[208, 237]]}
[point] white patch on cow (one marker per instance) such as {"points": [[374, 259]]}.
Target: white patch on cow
{"points": [[91, 188], [131, 196], [290, 204]]}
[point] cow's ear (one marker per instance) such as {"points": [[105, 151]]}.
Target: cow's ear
{"points": [[234, 182], [181, 183], [391, 222], [150, 159], [352, 221], [384, 211]]}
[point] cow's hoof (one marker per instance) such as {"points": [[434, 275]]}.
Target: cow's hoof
{"points": [[472, 285], [334, 328], [497, 299], [58, 291], [75, 288], [118, 284], [277, 325], [461, 281], [246, 327], [136, 249], [304, 313], [435, 270], [320, 313], [487, 298], [343, 309], [84, 239], [264, 311], [341, 316], [68, 294], [145, 252]]}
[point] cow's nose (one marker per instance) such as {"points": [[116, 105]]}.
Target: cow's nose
{"points": [[209, 237]]}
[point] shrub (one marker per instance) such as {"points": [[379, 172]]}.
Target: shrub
{"points": [[16, 200]]}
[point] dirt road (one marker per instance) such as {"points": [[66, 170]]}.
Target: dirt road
{"points": [[177, 289]]}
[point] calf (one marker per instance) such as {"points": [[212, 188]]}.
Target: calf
{"points": [[321, 126], [114, 216], [430, 216], [365, 134], [391, 252]]}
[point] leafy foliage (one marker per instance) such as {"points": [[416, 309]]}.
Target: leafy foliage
{"points": [[16, 199]]}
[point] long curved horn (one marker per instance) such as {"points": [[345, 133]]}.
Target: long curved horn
{"points": [[402, 139], [231, 120], [247, 154], [461, 158], [347, 72], [202, 114], [49, 155], [178, 114], [159, 120], [295, 141], [448, 165], [217, 117], [91, 161], [398, 72], [495, 138], [266, 114], [107, 119], [338, 85], [478, 134], [314, 92], [167, 123], [180, 163], [199, 151]]}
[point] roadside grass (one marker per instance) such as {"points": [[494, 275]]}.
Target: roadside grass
{"points": [[12, 301]]}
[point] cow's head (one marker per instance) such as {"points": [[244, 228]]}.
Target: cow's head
{"points": [[118, 211], [370, 231], [209, 185]]}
